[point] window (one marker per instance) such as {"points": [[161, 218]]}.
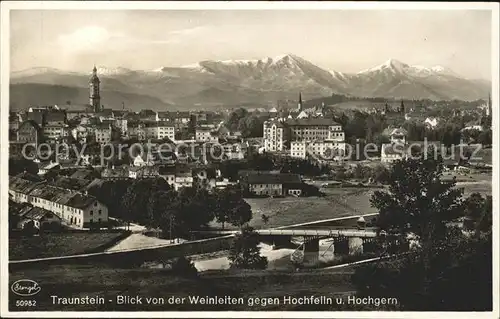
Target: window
{"points": [[100, 211], [91, 213]]}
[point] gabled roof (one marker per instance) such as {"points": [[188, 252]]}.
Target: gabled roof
{"points": [[311, 122], [55, 116], [31, 123], [22, 185], [80, 201], [82, 174], [271, 178], [70, 183], [38, 213]]}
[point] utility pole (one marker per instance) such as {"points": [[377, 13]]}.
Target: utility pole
{"points": [[170, 235]]}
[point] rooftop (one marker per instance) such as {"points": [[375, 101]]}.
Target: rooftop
{"points": [[256, 177]]}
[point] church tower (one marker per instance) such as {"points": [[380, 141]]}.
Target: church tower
{"points": [[95, 96], [489, 106], [300, 102]]}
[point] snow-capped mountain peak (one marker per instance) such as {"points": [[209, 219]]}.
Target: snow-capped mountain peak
{"points": [[111, 71], [392, 65]]}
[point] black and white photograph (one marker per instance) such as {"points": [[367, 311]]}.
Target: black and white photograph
{"points": [[249, 159]]}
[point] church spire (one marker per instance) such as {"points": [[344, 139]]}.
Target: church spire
{"points": [[300, 102]]}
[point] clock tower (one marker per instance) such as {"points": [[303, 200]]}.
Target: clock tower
{"points": [[95, 96]]}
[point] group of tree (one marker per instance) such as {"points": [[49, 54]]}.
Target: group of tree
{"points": [[269, 162], [20, 164], [249, 124], [450, 269], [154, 203]]}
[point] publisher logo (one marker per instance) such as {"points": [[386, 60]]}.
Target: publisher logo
{"points": [[25, 287]]}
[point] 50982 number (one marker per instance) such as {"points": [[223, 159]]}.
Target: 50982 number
{"points": [[25, 303]]}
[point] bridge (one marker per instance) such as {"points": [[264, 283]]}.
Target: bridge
{"points": [[320, 232]]}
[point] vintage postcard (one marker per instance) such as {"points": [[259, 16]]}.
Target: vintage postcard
{"points": [[249, 159]]}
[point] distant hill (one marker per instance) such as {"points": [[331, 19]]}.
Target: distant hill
{"points": [[24, 95], [210, 84]]}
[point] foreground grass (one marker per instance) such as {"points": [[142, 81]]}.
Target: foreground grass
{"points": [[61, 244], [94, 280]]}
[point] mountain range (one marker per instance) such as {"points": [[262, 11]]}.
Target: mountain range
{"points": [[215, 84]]}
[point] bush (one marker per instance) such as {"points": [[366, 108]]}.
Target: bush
{"points": [[182, 266]]}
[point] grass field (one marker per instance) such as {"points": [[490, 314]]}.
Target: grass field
{"points": [[338, 202], [61, 244], [86, 280]]}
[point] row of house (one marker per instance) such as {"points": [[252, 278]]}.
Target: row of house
{"points": [[76, 208]]}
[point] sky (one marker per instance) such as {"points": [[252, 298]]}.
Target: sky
{"points": [[340, 40]]}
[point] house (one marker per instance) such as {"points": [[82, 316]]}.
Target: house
{"points": [[14, 121], [41, 218], [55, 132], [471, 127], [87, 174], [392, 152], [44, 168], [205, 177], [136, 130], [103, 132], [148, 116], [205, 135], [120, 172], [143, 172], [177, 176], [431, 122], [28, 132], [19, 188], [398, 135], [55, 118], [80, 133], [121, 124], [160, 131], [271, 184], [75, 184]]}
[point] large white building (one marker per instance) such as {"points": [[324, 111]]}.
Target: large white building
{"points": [[320, 149], [274, 136], [159, 130], [276, 133], [311, 129]]}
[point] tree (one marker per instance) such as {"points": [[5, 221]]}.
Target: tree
{"points": [[265, 219], [240, 212], [245, 253], [417, 201], [478, 213], [182, 266], [450, 271]]}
